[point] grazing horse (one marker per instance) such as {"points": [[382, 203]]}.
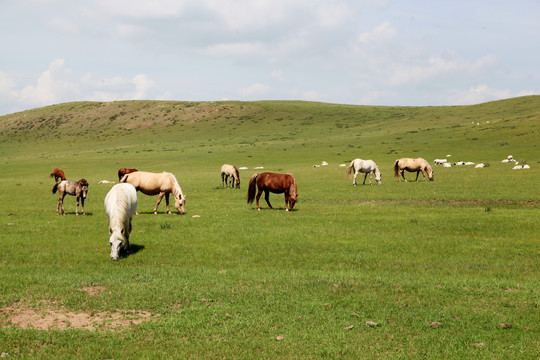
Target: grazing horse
{"points": [[276, 183], [412, 165], [120, 206], [79, 189], [232, 172], [366, 167], [58, 174], [124, 171], [158, 183]]}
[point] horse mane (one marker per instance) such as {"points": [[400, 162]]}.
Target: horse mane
{"points": [[293, 185], [236, 172], [117, 214], [55, 188], [177, 190]]}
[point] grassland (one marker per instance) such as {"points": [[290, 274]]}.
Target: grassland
{"points": [[462, 251]]}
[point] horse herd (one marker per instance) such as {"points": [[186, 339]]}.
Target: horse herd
{"points": [[121, 201]]}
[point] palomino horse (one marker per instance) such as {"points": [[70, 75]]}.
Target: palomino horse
{"points": [[124, 171], [58, 174], [366, 167], [232, 172], [120, 206], [276, 183], [78, 189], [158, 183], [412, 165]]}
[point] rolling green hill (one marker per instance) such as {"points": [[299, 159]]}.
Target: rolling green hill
{"points": [[301, 131]]}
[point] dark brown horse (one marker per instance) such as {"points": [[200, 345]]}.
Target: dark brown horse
{"points": [[58, 174], [78, 189], [276, 183], [124, 171]]}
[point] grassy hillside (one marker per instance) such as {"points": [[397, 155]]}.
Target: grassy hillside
{"points": [[303, 131], [440, 266]]}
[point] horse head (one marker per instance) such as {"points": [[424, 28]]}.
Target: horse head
{"points": [[179, 204], [378, 176], [84, 187], [115, 241], [430, 174], [238, 183]]}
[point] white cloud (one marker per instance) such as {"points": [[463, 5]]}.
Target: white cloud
{"points": [[436, 66], [278, 74], [481, 93], [143, 86], [382, 32], [313, 95], [52, 85], [7, 85], [128, 30], [256, 89], [143, 8], [236, 49], [63, 25], [334, 14]]}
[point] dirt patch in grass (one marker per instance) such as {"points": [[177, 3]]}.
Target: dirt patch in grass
{"points": [[93, 290], [51, 317]]}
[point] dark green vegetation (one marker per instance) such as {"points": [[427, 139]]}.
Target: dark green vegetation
{"points": [[462, 251]]}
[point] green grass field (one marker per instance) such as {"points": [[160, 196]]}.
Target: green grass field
{"points": [[461, 253]]}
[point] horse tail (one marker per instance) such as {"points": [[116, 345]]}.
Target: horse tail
{"points": [[350, 168], [55, 188], [251, 188], [396, 168]]}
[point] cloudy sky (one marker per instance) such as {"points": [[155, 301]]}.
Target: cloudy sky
{"points": [[372, 52]]}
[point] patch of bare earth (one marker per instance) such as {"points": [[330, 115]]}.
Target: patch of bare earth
{"points": [[51, 317]]}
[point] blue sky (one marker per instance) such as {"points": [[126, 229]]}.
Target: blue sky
{"points": [[369, 52]]}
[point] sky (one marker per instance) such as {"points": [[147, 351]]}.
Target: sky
{"points": [[365, 52]]}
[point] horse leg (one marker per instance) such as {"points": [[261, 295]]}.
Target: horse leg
{"points": [[167, 202], [417, 173], [287, 197], [82, 204], [58, 204], [258, 198], [126, 235], [160, 196], [355, 175], [267, 198], [365, 177], [61, 204]]}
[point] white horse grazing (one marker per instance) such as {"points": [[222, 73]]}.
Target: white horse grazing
{"points": [[366, 167], [120, 206], [232, 172]]}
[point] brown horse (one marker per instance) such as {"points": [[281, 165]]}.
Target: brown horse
{"points": [[124, 171], [158, 183], [412, 165], [58, 174], [230, 170], [78, 189], [276, 183]]}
